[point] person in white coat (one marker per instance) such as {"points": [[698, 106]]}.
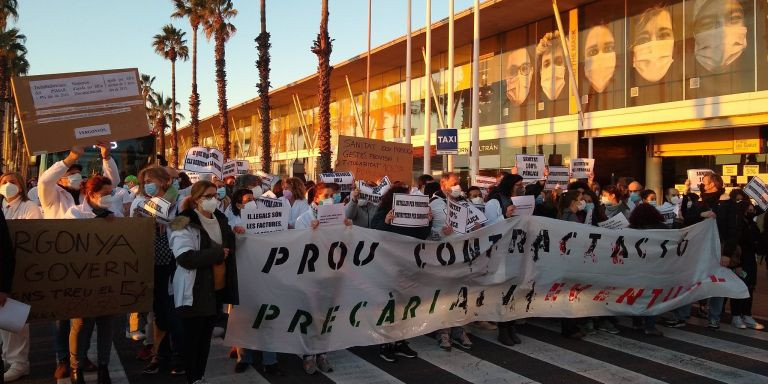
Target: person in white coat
{"points": [[295, 192], [59, 190], [16, 206], [99, 199]]}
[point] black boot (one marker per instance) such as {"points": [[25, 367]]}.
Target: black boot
{"points": [[513, 334], [77, 376], [504, 334], [102, 375]]}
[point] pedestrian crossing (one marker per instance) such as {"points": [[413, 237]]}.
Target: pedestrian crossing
{"points": [[692, 354]]}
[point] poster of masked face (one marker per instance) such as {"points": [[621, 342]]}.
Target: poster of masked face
{"points": [[552, 75], [761, 44], [720, 57], [518, 67], [601, 56], [655, 34]]}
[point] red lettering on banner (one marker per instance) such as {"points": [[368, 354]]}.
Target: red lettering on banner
{"points": [[630, 295], [716, 279], [654, 295], [603, 294], [553, 292], [576, 290], [680, 288]]}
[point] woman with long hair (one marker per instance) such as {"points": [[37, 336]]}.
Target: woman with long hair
{"points": [[295, 193]]}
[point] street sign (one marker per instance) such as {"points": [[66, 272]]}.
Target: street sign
{"points": [[448, 141]]}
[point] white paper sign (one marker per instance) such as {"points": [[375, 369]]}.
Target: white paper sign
{"points": [[156, 207], [758, 191], [330, 214], [373, 194], [345, 180], [267, 180], [235, 168], [13, 315], [270, 215], [524, 205], [456, 216], [669, 213], [484, 182], [204, 160], [558, 177], [617, 222], [410, 210], [475, 216], [695, 176], [530, 167], [582, 168], [83, 89]]}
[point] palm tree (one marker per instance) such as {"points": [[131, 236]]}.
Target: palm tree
{"points": [[194, 11], [19, 66], [322, 48], [216, 24], [263, 44], [8, 10], [146, 86], [11, 48], [162, 109], [172, 46]]}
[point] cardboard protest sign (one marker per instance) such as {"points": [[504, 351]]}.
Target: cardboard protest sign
{"points": [[617, 222], [85, 268], [558, 177], [370, 159], [330, 214], [524, 205], [59, 111], [410, 210], [582, 168], [758, 191], [696, 176], [269, 215], [204, 160], [235, 168], [530, 167], [345, 180]]}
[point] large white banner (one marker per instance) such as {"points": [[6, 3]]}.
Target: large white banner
{"points": [[311, 291]]}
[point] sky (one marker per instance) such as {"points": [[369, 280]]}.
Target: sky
{"points": [[85, 35]]}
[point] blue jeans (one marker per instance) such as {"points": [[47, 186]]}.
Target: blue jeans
{"points": [[245, 355], [715, 309], [683, 313], [61, 340]]}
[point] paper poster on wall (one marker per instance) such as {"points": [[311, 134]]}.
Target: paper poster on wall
{"points": [[751, 170], [695, 176], [731, 170], [410, 210], [582, 168], [601, 56], [530, 167]]}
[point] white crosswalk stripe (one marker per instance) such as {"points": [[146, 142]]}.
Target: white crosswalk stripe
{"points": [[759, 335], [350, 369]]}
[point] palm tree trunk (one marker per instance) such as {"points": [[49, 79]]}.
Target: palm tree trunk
{"points": [[221, 87], [174, 135], [3, 91], [263, 65], [160, 130], [194, 98], [322, 48]]}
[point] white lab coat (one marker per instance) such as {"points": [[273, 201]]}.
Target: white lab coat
{"points": [[305, 220], [298, 208], [19, 209], [55, 200], [493, 212], [85, 211], [181, 241]]}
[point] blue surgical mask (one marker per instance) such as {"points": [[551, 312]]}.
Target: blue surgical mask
{"points": [[634, 197], [652, 203], [336, 198], [150, 189], [222, 192], [589, 206], [176, 184]]}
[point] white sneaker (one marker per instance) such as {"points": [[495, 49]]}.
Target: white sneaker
{"points": [[751, 323], [738, 323], [135, 336], [14, 373]]}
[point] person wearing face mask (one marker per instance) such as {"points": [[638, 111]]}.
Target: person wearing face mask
{"points": [[16, 206], [633, 195], [98, 201], [519, 69], [645, 216], [295, 193], [59, 190], [599, 57], [475, 195], [421, 182], [672, 204], [720, 34], [648, 196], [611, 200], [592, 213], [498, 203], [569, 207], [360, 211], [746, 269], [654, 44], [552, 73], [222, 196], [206, 274], [165, 342]]}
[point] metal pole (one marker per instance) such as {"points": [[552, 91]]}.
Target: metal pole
{"points": [[474, 160], [407, 123], [567, 55], [368, 78], [427, 92], [438, 106], [354, 105], [449, 122], [590, 146]]}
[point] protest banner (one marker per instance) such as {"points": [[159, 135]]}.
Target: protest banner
{"points": [[530, 167], [617, 222], [410, 210], [758, 191], [582, 168], [204, 160], [330, 214], [370, 159], [695, 176], [559, 177], [83, 268], [524, 205], [731, 170], [345, 180], [340, 289], [156, 207], [456, 216], [269, 215], [235, 168], [59, 111]]}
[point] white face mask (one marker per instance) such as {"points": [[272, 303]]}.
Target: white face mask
{"points": [[251, 206], [456, 191], [209, 205], [517, 88], [75, 180], [257, 191], [719, 47], [362, 202], [477, 200], [653, 59], [676, 200], [105, 201], [582, 205], [9, 190], [553, 81], [606, 201], [599, 70]]}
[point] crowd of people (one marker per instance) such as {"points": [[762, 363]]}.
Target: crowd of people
{"points": [[195, 271]]}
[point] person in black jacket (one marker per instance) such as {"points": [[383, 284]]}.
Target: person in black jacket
{"points": [[7, 264], [715, 203], [746, 268], [382, 220]]}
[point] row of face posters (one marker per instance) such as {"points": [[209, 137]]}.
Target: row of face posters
{"points": [[661, 51]]}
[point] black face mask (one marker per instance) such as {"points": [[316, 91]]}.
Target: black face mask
{"points": [[701, 187]]}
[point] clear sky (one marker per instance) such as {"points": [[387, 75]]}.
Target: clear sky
{"points": [[83, 35]]}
